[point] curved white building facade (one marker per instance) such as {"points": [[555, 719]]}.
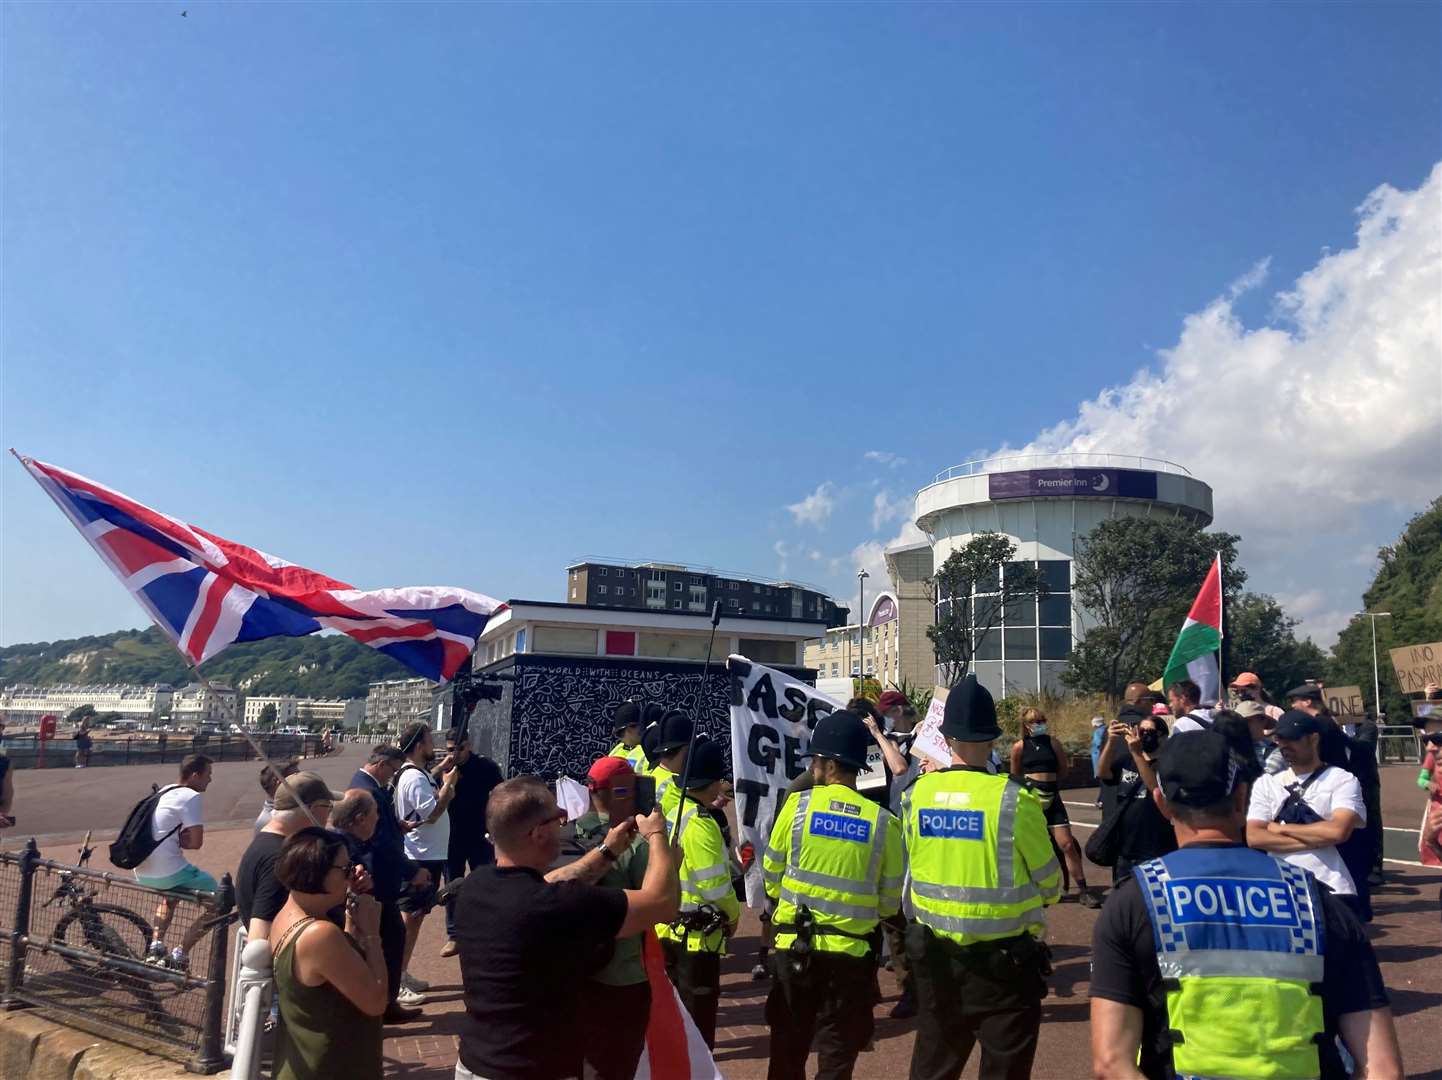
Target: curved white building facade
{"points": [[1044, 503]]}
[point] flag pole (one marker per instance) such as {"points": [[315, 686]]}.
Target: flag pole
{"points": [[1221, 635], [254, 745]]}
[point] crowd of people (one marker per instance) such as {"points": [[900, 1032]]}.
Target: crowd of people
{"points": [[1242, 839]]}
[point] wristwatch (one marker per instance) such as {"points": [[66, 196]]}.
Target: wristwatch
{"points": [[612, 856]]}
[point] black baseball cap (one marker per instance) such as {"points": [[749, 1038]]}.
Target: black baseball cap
{"points": [[1306, 690], [1198, 768], [1295, 723]]}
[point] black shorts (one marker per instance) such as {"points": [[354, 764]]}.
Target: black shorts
{"points": [[1051, 804], [416, 901]]}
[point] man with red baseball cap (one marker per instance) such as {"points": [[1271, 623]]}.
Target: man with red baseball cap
{"points": [[616, 1000]]}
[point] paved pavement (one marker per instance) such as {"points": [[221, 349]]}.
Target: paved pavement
{"points": [[1405, 935]]}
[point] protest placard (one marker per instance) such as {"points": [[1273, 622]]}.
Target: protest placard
{"points": [[1417, 665], [1345, 702], [772, 715], [928, 742]]}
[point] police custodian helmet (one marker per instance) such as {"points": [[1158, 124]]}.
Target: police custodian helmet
{"points": [[707, 763], [970, 713], [842, 737]]}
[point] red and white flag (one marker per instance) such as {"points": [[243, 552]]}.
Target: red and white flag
{"points": [[674, 1047]]}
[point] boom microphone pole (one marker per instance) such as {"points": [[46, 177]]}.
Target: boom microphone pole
{"points": [[696, 718]]}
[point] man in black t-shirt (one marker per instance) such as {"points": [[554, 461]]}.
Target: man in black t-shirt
{"points": [[528, 941], [258, 893], [468, 847], [1204, 793]]}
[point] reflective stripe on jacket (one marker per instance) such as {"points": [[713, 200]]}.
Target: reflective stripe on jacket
{"points": [[705, 878], [1240, 943], [980, 861], [840, 854]]}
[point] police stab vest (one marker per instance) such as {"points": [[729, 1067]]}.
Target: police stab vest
{"points": [[1239, 939], [834, 865], [973, 877]]}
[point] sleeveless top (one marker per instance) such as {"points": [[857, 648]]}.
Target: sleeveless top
{"points": [[321, 1034], [1037, 755]]}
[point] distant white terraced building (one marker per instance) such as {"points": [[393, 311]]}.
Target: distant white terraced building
{"points": [[25, 705]]}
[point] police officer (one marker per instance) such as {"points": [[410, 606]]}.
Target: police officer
{"points": [[834, 864], [981, 871], [672, 739], [1221, 960], [693, 944], [626, 726]]}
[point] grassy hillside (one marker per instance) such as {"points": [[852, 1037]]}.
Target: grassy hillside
{"points": [[328, 666]]}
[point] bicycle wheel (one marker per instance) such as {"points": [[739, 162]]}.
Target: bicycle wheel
{"points": [[107, 929]]}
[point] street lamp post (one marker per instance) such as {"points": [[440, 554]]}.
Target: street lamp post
{"points": [[861, 576], [1376, 682]]}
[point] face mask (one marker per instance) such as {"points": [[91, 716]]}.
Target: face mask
{"points": [[1038, 729], [1150, 740]]}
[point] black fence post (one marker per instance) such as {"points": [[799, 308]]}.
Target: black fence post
{"points": [[211, 1056], [20, 932]]}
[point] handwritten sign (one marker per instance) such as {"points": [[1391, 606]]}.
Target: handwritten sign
{"points": [[1345, 702], [928, 742], [1417, 665]]}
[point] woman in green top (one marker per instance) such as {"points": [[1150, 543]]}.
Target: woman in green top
{"points": [[332, 984]]}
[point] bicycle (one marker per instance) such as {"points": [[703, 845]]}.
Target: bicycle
{"points": [[107, 930]]}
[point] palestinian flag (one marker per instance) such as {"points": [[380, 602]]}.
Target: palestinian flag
{"points": [[1194, 656]]}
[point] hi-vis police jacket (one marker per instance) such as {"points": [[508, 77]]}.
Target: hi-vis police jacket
{"points": [[980, 861], [668, 789], [840, 854], [634, 755], [1240, 942], [705, 877]]}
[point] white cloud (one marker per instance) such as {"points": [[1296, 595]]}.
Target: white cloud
{"points": [[1337, 405], [781, 553], [884, 508], [871, 557], [885, 457], [816, 508]]}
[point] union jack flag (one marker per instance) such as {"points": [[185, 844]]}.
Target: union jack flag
{"points": [[207, 593]]}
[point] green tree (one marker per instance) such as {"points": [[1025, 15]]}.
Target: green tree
{"points": [[79, 713], [266, 720], [1261, 638], [969, 594], [1134, 580], [1408, 584]]}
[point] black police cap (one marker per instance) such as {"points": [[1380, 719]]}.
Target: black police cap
{"points": [[1198, 768], [842, 737], [650, 743], [627, 714], [970, 714], [707, 763], [676, 731]]}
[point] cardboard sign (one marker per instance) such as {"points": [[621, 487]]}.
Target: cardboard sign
{"points": [[1345, 702], [928, 742], [1417, 665]]}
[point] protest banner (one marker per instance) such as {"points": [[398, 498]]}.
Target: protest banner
{"points": [[772, 715], [1417, 665], [1345, 702], [928, 742]]}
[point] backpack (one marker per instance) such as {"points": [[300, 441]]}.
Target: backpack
{"points": [[137, 839]]}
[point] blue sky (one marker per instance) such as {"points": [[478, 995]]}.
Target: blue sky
{"points": [[454, 294]]}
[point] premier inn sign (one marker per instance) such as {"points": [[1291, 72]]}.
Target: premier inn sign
{"points": [[1073, 483]]}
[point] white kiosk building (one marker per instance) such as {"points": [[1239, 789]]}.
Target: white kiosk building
{"points": [[1044, 503]]}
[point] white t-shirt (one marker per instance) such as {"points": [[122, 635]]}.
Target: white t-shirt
{"points": [[1335, 789], [178, 806], [416, 796], [1196, 720]]}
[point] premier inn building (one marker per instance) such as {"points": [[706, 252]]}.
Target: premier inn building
{"points": [[1044, 504]]}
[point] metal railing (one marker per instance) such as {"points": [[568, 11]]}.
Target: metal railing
{"points": [[75, 948], [1398, 743], [1010, 462], [25, 750]]}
